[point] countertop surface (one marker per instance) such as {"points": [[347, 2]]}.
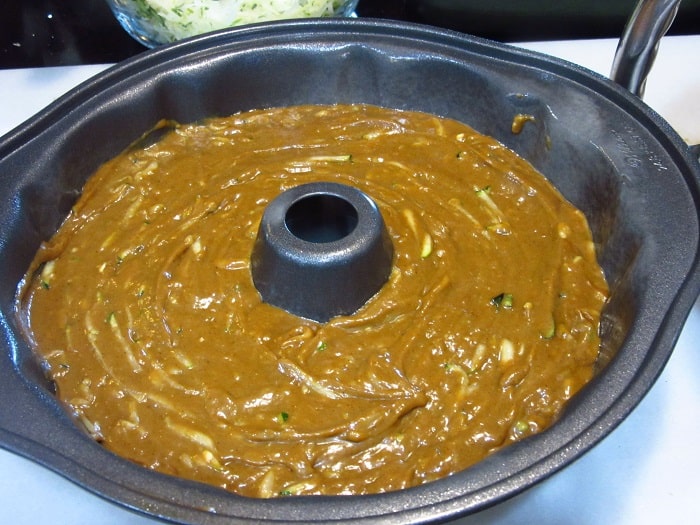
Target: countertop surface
{"points": [[645, 472]]}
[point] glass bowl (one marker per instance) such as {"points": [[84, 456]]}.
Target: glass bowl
{"points": [[156, 22]]}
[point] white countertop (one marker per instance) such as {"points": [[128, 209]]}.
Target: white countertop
{"points": [[645, 472]]}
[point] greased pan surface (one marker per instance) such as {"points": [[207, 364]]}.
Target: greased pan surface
{"points": [[605, 150]]}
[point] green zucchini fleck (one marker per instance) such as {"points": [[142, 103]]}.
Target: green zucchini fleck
{"points": [[502, 300]]}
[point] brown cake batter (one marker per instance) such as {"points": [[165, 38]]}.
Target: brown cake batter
{"points": [[143, 308]]}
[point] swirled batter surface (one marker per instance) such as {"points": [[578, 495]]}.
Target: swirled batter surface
{"points": [[143, 308]]}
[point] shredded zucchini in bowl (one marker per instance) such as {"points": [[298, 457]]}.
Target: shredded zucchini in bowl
{"points": [[154, 22]]}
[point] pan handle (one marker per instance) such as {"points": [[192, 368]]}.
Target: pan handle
{"points": [[640, 41]]}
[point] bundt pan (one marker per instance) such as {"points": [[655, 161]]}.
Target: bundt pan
{"points": [[635, 179]]}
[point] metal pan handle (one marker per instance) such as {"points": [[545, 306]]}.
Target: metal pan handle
{"points": [[640, 41]]}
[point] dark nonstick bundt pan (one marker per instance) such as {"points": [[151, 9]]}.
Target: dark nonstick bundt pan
{"points": [[607, 152]]}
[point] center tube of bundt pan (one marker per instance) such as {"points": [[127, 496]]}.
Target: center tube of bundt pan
{"points": [[322, 250]]}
